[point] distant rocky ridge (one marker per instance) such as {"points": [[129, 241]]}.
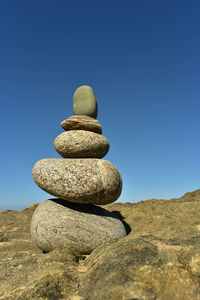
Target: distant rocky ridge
{"points": [[158, 259]]}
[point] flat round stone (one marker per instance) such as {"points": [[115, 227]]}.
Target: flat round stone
{"points": [[57, 223], [81, 143], [82, 123], [84, 101], [94, 181]]}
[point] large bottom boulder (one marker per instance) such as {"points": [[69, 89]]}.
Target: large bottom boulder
{"points": [[80, 227]]}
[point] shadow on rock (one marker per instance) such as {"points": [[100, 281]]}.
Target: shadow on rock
{"points": [[120, 217], [93, 209]]}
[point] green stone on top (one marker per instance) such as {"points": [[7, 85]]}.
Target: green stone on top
{"points": [[84, 102]]}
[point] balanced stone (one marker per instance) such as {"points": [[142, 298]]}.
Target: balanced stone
{"points": [[94, 181], [57, 223], [81, 143], [84, 102], [82, 123]]}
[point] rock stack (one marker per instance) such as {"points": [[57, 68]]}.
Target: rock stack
{"points": [[80, 180]]}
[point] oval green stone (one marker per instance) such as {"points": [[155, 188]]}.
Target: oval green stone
{"points": [[84, 102]]}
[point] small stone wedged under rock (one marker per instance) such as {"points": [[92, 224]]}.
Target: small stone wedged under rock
{"points": [[81, 144], [82, 123], [80, 227], [93, 181]]}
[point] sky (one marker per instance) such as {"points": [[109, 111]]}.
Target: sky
{"points": [[141, 57]]}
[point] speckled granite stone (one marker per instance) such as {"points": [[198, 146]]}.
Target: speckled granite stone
{"points": [[94, 181], [58, 223], [84, 101], [82, 123], [81, 143]]}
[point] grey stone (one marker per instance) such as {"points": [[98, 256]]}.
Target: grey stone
{"points": [[84, 101], [81, 144], [82, 123], [94, 181], [80, 227]]}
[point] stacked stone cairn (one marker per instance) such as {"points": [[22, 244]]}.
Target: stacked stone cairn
{"points": [[81, 181]]}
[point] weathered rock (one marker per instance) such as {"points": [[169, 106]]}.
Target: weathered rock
{"points": [[80, 227], [159, 259], [82, 123], [94, 181], [25, 272], [81, 144], [145, 272], [84, 101]]}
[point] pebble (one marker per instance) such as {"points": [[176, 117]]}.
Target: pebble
{"points": [[82, 123], [84, 102], [93, 181], [81, 143]]}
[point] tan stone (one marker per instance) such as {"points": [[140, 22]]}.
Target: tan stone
{"points": [[81, 143], [82, 123], [94, 181]]}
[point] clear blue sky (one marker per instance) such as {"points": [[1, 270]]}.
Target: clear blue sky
{"points": [[142, 59]]}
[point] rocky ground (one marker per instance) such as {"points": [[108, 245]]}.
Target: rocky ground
{"points": [[159, 259]]}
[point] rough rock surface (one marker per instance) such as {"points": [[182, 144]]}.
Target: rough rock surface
{"points": [[84, 102], [93, 181], [80, 227], [81, 144], [82, 123], [159, 259]]}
